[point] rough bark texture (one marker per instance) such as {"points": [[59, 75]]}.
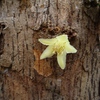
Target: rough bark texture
{"points": [[23, 76]]}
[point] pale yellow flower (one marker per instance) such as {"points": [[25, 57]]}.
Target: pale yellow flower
{"points": [[59, 45]]}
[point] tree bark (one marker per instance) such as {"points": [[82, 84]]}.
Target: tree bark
{"points": [[23, 76]]}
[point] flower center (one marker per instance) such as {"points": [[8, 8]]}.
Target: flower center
{"points": [[59, 48]]}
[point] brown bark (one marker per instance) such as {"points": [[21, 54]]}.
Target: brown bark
{"points": [[23, 76]]}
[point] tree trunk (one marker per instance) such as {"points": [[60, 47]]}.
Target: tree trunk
{"points": [[23, 76]]}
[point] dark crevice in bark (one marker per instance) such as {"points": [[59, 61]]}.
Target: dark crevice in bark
{"points": [[98, 41], [57, 12], [3, 26], [5, 70], [89, 94], [0, 2], [99, 88], [1, 43]]}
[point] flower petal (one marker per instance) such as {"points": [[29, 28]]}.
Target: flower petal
{"points": [[47, 41], [48, 52], [70, 49], [63, 38], [61, 58]]}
